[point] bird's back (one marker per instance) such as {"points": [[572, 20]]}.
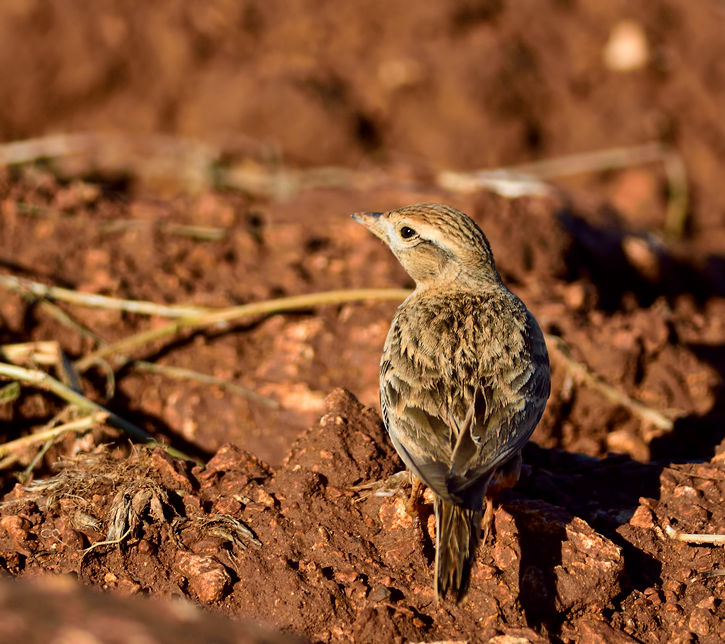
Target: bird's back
{"points": [[456, 357]]}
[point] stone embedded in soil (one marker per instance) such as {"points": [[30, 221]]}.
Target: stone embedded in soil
{"points": [[18, 530], [642, 518], [230, 457], [596, 632], [518, 636], [171, 470], [207, 577]]}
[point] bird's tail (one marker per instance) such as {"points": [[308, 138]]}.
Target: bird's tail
{"points": [[458, 531]]}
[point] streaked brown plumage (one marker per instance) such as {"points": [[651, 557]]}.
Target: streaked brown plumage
{"points": [[464, 376]]}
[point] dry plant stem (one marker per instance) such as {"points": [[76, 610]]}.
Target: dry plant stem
{"points": [[9, 393], [44, 381], [714, 539], [81, 425], [16, 354], [591, 161], [21, 285], [652, 416], [63, 145], [296, 303], [44, 352], [200, 233], [46, 146], [112, 542], [188, 374], [59, 314], [676, 217], [140, 365]]}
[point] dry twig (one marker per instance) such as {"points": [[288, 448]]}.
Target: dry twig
{"points": [[20, 285], [47, 382], [583, 374], [713, 539], [529, 178], [80, 425], [234, 314]]}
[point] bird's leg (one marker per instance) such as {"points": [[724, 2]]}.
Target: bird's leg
{"points": [[505, 477], [412, 505], [487, 518]]}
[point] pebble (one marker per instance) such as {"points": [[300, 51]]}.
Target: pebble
{"points": [[642, 518], [206, 576]]}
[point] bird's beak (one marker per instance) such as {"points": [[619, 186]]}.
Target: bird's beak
{"points": [[371, 221]]}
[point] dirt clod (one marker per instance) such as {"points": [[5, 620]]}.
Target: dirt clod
{"points": [[206, 576]]}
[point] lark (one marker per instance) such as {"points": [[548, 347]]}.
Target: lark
{"points": [[464, 376]]}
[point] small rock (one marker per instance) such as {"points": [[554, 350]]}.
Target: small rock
{"points": [[401, 551], [169, 468], [503, 555], [346, 577], [230, 457], [207, 577], [265, 498], [643, 257], [17, 527], [686, 491], [707, 603], [671, 613], [642, 518], [209, 545], [517, 636], [596, 632], [575, 295], [700, 621], [394, 515], [623, 442], [227, 505], [379, 594], [627, 48]]}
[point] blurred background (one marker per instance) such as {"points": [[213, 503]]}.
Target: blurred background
{"points": [[456, 84]]}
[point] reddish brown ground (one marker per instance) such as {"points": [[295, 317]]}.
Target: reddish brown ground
{"points": [[578, 552]]}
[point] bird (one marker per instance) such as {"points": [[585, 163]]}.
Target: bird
{"points": [[464, 377]]}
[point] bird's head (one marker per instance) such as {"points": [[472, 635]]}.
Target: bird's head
{"points": [[436, 244]]}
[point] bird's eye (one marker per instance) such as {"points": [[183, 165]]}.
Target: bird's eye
{"points": [[406, 232]]}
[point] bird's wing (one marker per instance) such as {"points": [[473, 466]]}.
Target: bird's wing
{"points": [[420, 435], [497, 426]]}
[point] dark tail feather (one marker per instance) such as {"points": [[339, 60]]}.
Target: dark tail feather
{"points": [[458, 531]]}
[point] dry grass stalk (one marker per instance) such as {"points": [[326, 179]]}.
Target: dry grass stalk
{"points": [[21, 285], [712, 539], [75, 426], [581, 372], [237, 313]]}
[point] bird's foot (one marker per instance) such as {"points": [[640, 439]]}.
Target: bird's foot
{"points": [[387, 487], [411, 506]]}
